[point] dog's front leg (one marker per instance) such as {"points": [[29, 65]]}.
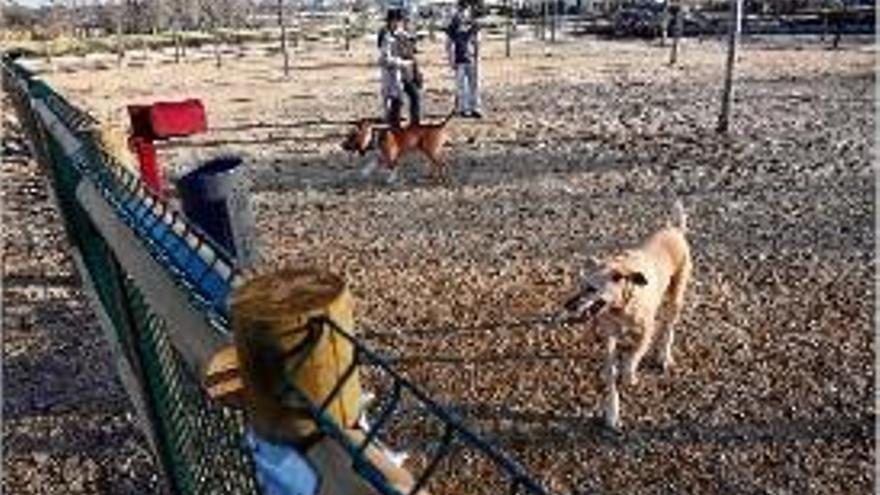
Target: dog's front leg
{"points": [[631, 366], [609, 376], [667, 337]]}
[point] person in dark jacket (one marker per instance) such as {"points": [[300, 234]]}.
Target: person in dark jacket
{"points": [[462, 49]]}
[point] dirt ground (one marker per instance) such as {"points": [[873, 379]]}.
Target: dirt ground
{"points": [[67, 425], [583, 148]]}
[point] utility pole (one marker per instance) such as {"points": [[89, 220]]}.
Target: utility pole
{"points": [[732, 42]]}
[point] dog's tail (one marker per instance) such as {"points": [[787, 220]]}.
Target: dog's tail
{"points": [[679, 216]]}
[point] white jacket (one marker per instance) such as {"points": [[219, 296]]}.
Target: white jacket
{"points": [[392, 66]]}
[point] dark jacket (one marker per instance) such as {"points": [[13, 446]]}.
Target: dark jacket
{"points": [[461, 41]]}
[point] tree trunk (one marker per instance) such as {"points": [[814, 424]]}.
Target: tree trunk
{"points": [[217, 40], [733, 40], [664, 24], [120, 49], [177, 48], [347, 34], [543, 21], [282, 25]]}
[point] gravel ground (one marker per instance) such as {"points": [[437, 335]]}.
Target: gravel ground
{"points": [[583, 149], [67, 425]]}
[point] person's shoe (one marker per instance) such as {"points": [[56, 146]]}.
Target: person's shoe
{"points": [[476, 114]]}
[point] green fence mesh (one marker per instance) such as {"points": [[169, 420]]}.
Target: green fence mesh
{"points": [[200, 444]]}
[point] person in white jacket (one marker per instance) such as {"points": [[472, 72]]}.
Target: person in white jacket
{"points": [[394, 67]]}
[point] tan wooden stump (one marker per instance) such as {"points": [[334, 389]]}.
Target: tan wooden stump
{"points": [[277, 338]]}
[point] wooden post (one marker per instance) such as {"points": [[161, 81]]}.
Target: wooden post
{"points": [[283, 27], [282, 335], [677, 27], [507, 28], [733, 40]]}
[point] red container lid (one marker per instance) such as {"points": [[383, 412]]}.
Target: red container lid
{"points": [[166, 119]]}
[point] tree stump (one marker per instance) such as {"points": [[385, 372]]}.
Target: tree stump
{"points": [[282, 340]]}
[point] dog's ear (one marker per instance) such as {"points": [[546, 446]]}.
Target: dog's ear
{"points": [[638, 278]]}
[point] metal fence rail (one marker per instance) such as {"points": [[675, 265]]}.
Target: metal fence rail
{"points": [[159, 286]]}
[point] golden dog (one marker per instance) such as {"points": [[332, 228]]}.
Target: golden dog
{"points": [[622, 296]]}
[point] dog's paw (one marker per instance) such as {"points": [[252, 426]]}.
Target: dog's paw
{"points": [[630, 378], [612, 425]]}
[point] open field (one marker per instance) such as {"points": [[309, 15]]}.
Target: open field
{"points": [[583, 148]]}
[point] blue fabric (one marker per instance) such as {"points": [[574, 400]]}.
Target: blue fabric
{"points": [[281, 469]]}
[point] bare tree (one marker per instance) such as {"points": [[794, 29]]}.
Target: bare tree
{"points": [[120, 48], [283, 25], [733, 41]]}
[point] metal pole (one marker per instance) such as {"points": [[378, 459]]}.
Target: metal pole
{"points": [[733, 40], [554, 14]]}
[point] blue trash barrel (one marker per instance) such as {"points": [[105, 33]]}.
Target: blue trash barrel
{"points": [[216, 197]]}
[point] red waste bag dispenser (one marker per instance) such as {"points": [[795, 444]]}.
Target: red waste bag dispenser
{"points": [[160, 121]]}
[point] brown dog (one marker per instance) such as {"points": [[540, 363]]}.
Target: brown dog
{"points": [[392, 144], [623, 295]]}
